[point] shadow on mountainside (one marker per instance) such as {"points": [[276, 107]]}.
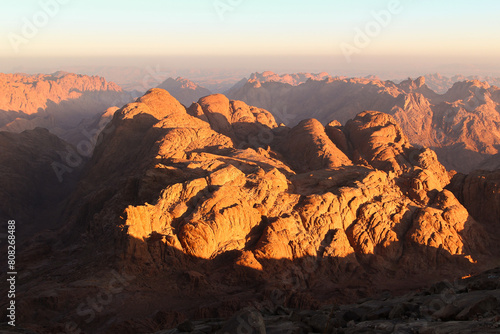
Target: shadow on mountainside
{"points": [[170, 221], [97, 293], [68, 119]]}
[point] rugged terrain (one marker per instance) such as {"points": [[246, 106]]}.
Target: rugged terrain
{"points": [[462, 125], [198, 212], [64, 103], [468, 305], [441, 83]]}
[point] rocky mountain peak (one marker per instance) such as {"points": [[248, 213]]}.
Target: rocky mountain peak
{"points": [[463, 89], [160, 103], [217, 206]]}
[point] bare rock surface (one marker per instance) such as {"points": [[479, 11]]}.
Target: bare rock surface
{"points": [[460, 124], [446, 307], [216, 206]]}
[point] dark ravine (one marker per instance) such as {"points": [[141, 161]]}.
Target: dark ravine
{"points": [[206, 210]]}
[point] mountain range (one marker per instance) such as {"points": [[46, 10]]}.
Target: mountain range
{"points": [[65, 103], [440, 83], [461, 125], [204, 210]]}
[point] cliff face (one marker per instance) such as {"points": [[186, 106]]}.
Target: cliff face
{"points": [[207, 187], [217, 206], [461, 125], [58, 102], [191, 180]]}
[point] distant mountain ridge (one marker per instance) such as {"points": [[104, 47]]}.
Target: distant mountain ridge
{"points": [[440, 83], [184, 90], [462, 125], [29, 94], [58, 101], [293, 79]]}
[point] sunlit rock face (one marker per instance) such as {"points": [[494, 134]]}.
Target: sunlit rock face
{"points": [[215, 205], [193, 180], [461, 124]]}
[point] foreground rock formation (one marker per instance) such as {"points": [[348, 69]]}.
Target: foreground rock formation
{"points": [[205, 210]]}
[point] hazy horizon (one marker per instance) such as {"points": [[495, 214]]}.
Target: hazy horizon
{"points": [[233, 203], [390, 39]]}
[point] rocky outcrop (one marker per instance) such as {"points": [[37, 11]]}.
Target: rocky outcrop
{"points": [[480, 184], [461, 125], [182, 181], [217, 206], [377, 139], [227, 193], [247, 125], [308, 147]]}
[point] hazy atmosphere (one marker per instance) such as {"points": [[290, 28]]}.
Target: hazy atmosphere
{"points": [[250, 166], [385, 38]]}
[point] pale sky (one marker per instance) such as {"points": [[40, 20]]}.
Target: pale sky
{"points": [[425, 33]]}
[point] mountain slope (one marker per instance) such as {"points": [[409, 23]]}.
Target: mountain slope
{"points": [[35, 177], [58, 102], [217, 206], [461, 125]]}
